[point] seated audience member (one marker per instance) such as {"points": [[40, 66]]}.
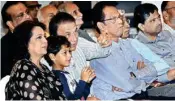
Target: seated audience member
{"points": [[63, 24], [29, 79], [13, 13], [73, 9], [59, 57], [33, 7], [160, 42], [168, 12], [109, 73], [165, 72], [45, 14], [113, 82]]}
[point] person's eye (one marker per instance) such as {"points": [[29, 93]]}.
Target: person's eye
{"points": [[20, 15], [67, 35], [39, 37]]}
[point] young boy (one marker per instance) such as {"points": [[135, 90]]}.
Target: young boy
{"points": [[59, 57]]}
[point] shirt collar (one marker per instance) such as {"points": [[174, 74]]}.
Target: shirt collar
{"points": [[143, 38]]}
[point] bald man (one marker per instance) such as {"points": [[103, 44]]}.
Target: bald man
{"points": [[45, 14], [73, 9]]}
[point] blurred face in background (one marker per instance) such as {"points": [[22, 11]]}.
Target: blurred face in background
{"points": [[169, 14], [45, 14], [19, 14], [73, 10], [33, 7]]}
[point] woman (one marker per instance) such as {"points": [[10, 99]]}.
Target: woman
{"points": [[29, 78]]}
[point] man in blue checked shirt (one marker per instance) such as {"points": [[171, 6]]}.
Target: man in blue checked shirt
{"points": [[120, 69]]}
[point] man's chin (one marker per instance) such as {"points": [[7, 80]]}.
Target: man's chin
{"points": [[73, 48]]}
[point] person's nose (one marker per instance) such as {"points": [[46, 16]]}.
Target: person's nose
{"points": [[28, 16], [159, 21], [120, 21], [44, 40], [74, 37], [80, 14], [69, 55]]}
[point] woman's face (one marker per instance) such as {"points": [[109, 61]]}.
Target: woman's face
{"points": [[38, 43]]}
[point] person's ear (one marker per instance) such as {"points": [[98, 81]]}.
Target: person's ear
{"points": [[165, 15], [52, 57], [10, 25], [141, 26], [101, 26]]}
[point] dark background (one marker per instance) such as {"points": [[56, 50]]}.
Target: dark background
{"points": [[85, 8]]}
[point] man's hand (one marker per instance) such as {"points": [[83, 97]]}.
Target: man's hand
{"points": [[116, 89], [140, 65], [157, 84], [104, 40], [92, 98]]}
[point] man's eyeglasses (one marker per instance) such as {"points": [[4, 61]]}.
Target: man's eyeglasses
{"points": [[113, 20]]}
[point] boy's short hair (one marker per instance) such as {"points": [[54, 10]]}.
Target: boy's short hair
{"points": [[55, 44]]}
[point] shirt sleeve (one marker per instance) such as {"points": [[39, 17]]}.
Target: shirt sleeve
{"points": [[93, 50], [160, 65], [80, 91], [148, 73]]}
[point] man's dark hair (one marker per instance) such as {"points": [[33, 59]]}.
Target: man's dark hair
{"points": [[163, 5], [5, 16], [59, 18], [142, 12], [23, 34], [98, 15], [55, 44]]}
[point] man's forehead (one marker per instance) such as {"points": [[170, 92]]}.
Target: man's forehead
{"points": [[170, 4], [153, 15], [71, 7], [49, 9], [110, 10], [67, 26], [14, 9]]}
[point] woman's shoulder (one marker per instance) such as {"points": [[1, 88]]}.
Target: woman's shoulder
{"points": [[23, 68]]}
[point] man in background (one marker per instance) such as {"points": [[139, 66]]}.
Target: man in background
{"points": [[168, 12], [13, 13]]}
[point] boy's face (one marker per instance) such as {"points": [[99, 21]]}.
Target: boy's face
{"points": [[63, 57], [153, 24]]}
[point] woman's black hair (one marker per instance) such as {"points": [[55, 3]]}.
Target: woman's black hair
{"points": [[55, 44], [23, 33]]}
